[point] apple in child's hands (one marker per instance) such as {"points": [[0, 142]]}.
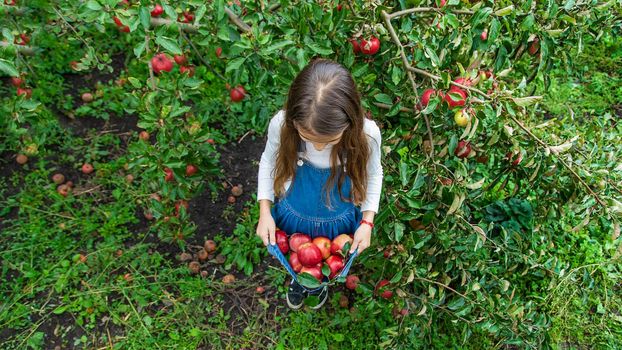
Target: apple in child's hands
{"points": [[335, 263], [297, 239], [339, 243], [309, 254], [281, 241], [323, 243], [315, 271], [294, 262]]}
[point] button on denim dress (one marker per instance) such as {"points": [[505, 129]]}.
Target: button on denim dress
{"points": [[303, 207]]}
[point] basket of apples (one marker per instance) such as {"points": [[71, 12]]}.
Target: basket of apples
{"points": [[314, 262]]}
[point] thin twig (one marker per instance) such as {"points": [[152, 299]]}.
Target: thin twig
{"points": [[24, 50], [186, 27], [196, 51], [396, 40], [74, 31], [444, 286], [427, 9], [151, 76], [543, 144], [386, 106], [237, 21]]}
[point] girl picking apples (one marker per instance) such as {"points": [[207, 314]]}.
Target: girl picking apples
{"points": [[322, 162]]}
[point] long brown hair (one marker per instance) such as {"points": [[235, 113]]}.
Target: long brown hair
{"points": [[323, 100]]}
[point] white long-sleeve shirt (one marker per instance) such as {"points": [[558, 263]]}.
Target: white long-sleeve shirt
{"points": [[320, 159]]}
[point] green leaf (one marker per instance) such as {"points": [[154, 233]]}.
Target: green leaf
{"points": [[8, 68], [456, 303], [399, 231], [93, 5], [325, 270], [278, 45], [135, 82], [528, 22], [307, 280], [145, 17], [168, 44], [384, 98], [317, 48], [138, 49], [432, 56], [235, 64], [396, 75], [526, 101]]}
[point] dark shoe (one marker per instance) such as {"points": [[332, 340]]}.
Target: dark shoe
{"points": [[295, 295], [322, 295]]}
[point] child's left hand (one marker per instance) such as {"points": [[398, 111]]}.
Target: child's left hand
{"points": [[362, 238]]}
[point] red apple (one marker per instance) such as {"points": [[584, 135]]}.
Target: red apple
{"points": [[314, 271], [157, 11], [534, 47], [24, 92], [484, 35], [187, 69], [384, 293], [297, 239], [463, 149], [117, 21], [324, 244], [515, 157], [168, 175], [453, 100], [309, 254], [191, 169], [180, 59], [371, 46], [294, 261], [189, 16], [87, 168], [237, 93], [462, 81], [218, 51], [161, 62], [335, 263], [181, 203], [209, 246], [17, 81], [87, 97], [282, 241], [356, 47], [21, 159], [143, 135], [425, 97], [336, 247], [352, 282], [442, 3]]}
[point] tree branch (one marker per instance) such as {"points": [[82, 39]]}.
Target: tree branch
{"points": [[237, 21], [196, 52], [386, 106], [151, 76], [186, 27], [543, 144], [24, 50], [396, 40]]}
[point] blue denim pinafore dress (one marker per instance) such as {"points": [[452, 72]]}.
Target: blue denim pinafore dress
{"points": [[303, 207]]}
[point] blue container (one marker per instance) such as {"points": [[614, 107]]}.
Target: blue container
{"points": [[274, 250]]}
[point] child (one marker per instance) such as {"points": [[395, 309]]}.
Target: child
{"points": [[322, 161]]}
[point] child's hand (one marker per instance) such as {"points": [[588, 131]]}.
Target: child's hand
{"points": [[266, 229], [362, 238]]}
